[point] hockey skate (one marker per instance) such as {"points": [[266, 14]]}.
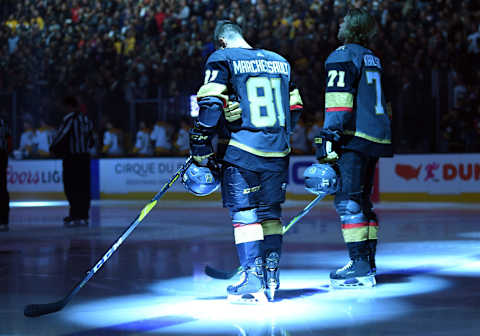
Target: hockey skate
{"points": [[355, 274], [272, 274], [250, 289]]}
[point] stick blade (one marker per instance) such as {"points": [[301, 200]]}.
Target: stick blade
{"points": [[35, 310], [217, 274]]}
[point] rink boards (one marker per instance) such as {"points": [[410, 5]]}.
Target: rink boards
{"points": [[443, 178]]}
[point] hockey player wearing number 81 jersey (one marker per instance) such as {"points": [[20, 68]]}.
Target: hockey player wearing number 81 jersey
{"points": [[248, 99], [356, 132]]}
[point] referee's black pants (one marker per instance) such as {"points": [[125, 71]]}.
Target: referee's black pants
{"points": [[4, 197], [76, 183]]}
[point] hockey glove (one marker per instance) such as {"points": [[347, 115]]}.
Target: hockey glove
{"points": [[201, 146], [233, 111], [324, 144]]}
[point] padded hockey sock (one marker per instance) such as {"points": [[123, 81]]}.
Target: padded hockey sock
{"points": [[272, 243], [248, 252], [272, 232], [358, 250]]}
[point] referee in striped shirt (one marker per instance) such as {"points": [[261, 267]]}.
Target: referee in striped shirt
{"points": [[5, 149], [72, 143]]}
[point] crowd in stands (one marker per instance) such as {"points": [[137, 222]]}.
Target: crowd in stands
{"points": [[114, 51]]}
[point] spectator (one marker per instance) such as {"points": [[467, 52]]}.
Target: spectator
{"points": [[184, 11], [182, 142], [474, 45], [13, 42], [161, 139], [112, 141], [459, 92], [43, 139], [27, 144], [453, 131], [143, 146], [12, 23]]}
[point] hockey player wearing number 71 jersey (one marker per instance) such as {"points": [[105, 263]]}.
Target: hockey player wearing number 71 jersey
{"points": [[249, 101], [356, 132]]}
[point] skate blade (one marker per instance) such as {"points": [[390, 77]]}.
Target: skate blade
{"points": [[271, 288], [248, 299], [271, 293], [359, 282]]}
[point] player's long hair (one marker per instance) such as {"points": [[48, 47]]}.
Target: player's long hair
{"points": [[358, 27]]}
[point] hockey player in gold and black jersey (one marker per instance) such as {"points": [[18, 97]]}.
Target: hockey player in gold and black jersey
{"points": [[356, 132], [255, 154]]}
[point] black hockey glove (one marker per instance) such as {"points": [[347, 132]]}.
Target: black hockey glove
{"points": [[324, 144], [201, 146]]}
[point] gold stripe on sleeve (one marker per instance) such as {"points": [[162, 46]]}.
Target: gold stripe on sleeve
{"points": [[367, 137], [338, 99], [295, 98], [214, 90]]}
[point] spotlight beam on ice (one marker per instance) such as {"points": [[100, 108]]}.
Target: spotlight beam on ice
{"points": [[305, 303]]}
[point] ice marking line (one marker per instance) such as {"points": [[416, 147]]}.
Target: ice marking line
{"points": [[135, 327]]}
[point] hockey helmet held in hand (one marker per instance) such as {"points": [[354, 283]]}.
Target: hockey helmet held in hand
{"points": [[200, 181], [321, 178]]}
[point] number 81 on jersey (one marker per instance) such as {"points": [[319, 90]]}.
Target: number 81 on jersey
{"points": [[264, 95]]}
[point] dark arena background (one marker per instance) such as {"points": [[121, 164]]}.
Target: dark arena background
{"points": [[135, 66]]}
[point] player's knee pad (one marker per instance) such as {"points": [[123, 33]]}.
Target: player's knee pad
{"points": [[350, 211], [270, 211], [245, 216], [354, 223]]}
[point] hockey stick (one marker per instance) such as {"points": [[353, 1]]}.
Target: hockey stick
{"points": [[34, 310], [219, 274]]}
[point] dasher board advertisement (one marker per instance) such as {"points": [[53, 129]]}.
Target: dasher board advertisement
{"points": [[446, 174]]}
